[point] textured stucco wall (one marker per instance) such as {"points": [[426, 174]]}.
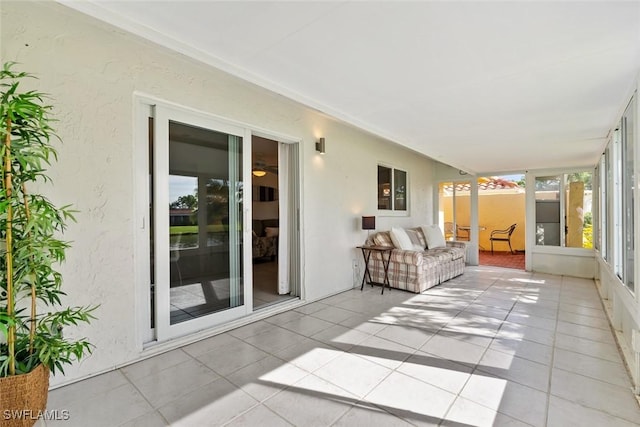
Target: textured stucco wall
{"points": [[91, 71]]}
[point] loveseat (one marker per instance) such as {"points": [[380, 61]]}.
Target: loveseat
{"points": [[417, 267]]}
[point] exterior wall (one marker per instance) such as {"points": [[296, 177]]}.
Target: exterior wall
{"points": [[496, 211], [91, 70]]}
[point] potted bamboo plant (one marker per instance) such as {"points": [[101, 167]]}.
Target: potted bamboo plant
{"points": [[32, 319]]}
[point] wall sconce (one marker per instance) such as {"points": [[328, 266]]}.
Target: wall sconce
{"points": [[320, 146], [368, 222]]}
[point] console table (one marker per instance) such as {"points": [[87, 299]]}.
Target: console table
{"points": [[366, 254]]}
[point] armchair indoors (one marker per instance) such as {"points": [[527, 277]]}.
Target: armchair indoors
{"points": [[502, 236]]}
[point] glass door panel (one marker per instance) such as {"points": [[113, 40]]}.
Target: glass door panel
{"points": [[198, 187]]}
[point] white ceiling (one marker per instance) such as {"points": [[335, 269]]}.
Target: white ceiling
{"points": [[484, 86]]}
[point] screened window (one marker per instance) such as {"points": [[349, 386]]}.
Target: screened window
{"points": [[617, 182], [564, 210]]}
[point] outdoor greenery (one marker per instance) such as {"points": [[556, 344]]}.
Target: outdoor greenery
{"points": [[32, 320]]}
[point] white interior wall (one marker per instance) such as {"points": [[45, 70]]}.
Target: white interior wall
{"points": [[91, 71]]}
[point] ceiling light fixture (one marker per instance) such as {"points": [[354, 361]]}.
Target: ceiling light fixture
{"points": [[258, 172]]}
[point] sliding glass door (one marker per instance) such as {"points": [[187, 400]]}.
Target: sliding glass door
{"points": [[199, 237]]}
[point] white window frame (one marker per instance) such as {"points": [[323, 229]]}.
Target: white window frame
{"points": [[393, 211]]}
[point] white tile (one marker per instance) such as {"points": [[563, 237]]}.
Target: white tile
{"points": [[516, 369], [453, 349], [284, 317], [605, 397], [593, 334], [515, 400], [275, 340], [251, 329], [473, 324], [436, 371], [605, 351], [306, 325], [365, 414], [108, 408], [310, 308], [603, 370], [496, 302], [333, 314], [341, 337], [481, 340], [408, 336], [492, 312], [214, 404], [153, 419], [532, 320], [210, 344], [579, 319], [465, 412], [383, 352], [258, 416], [309, 354], [172, 383], [584, 311], [311, 402], [230, 358], [86, 389], [524, 308], [355, 305], [563, 413], [515, 331], [266, 377], [155, 364], [529, 350], [363, 323], [415, 401], [352, 373]]}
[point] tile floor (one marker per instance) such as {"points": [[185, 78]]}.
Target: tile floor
{"points": [[492, 347], [502, 259]]}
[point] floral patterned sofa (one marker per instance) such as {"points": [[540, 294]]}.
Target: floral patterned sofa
{"points": [[421, 267]]}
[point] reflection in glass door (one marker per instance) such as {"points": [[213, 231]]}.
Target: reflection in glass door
{"points": [[455, 209], [198, 234]]}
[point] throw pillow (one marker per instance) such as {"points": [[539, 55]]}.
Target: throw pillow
{"points": [[415, 240], [434, 236], [383, 238], [400, 239]]}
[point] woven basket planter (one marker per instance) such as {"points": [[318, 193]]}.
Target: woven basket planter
{"points": [[23, 397]]}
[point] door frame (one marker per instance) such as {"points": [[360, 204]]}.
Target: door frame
{"points": [[164, 329], [145, 107]]}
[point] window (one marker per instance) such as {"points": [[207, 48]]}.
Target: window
{"points": [[617, 188], [626, 214], [392, 189], [564, 210]]}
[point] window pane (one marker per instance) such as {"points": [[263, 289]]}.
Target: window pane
{"points": [[183, 212], [384, 188], [628, 173], [400, 187], [548, 211], [579, 215], [205, 221]]}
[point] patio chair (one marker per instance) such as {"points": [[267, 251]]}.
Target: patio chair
{"points": [[462, 232], [448, 231], [502, 236]]}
